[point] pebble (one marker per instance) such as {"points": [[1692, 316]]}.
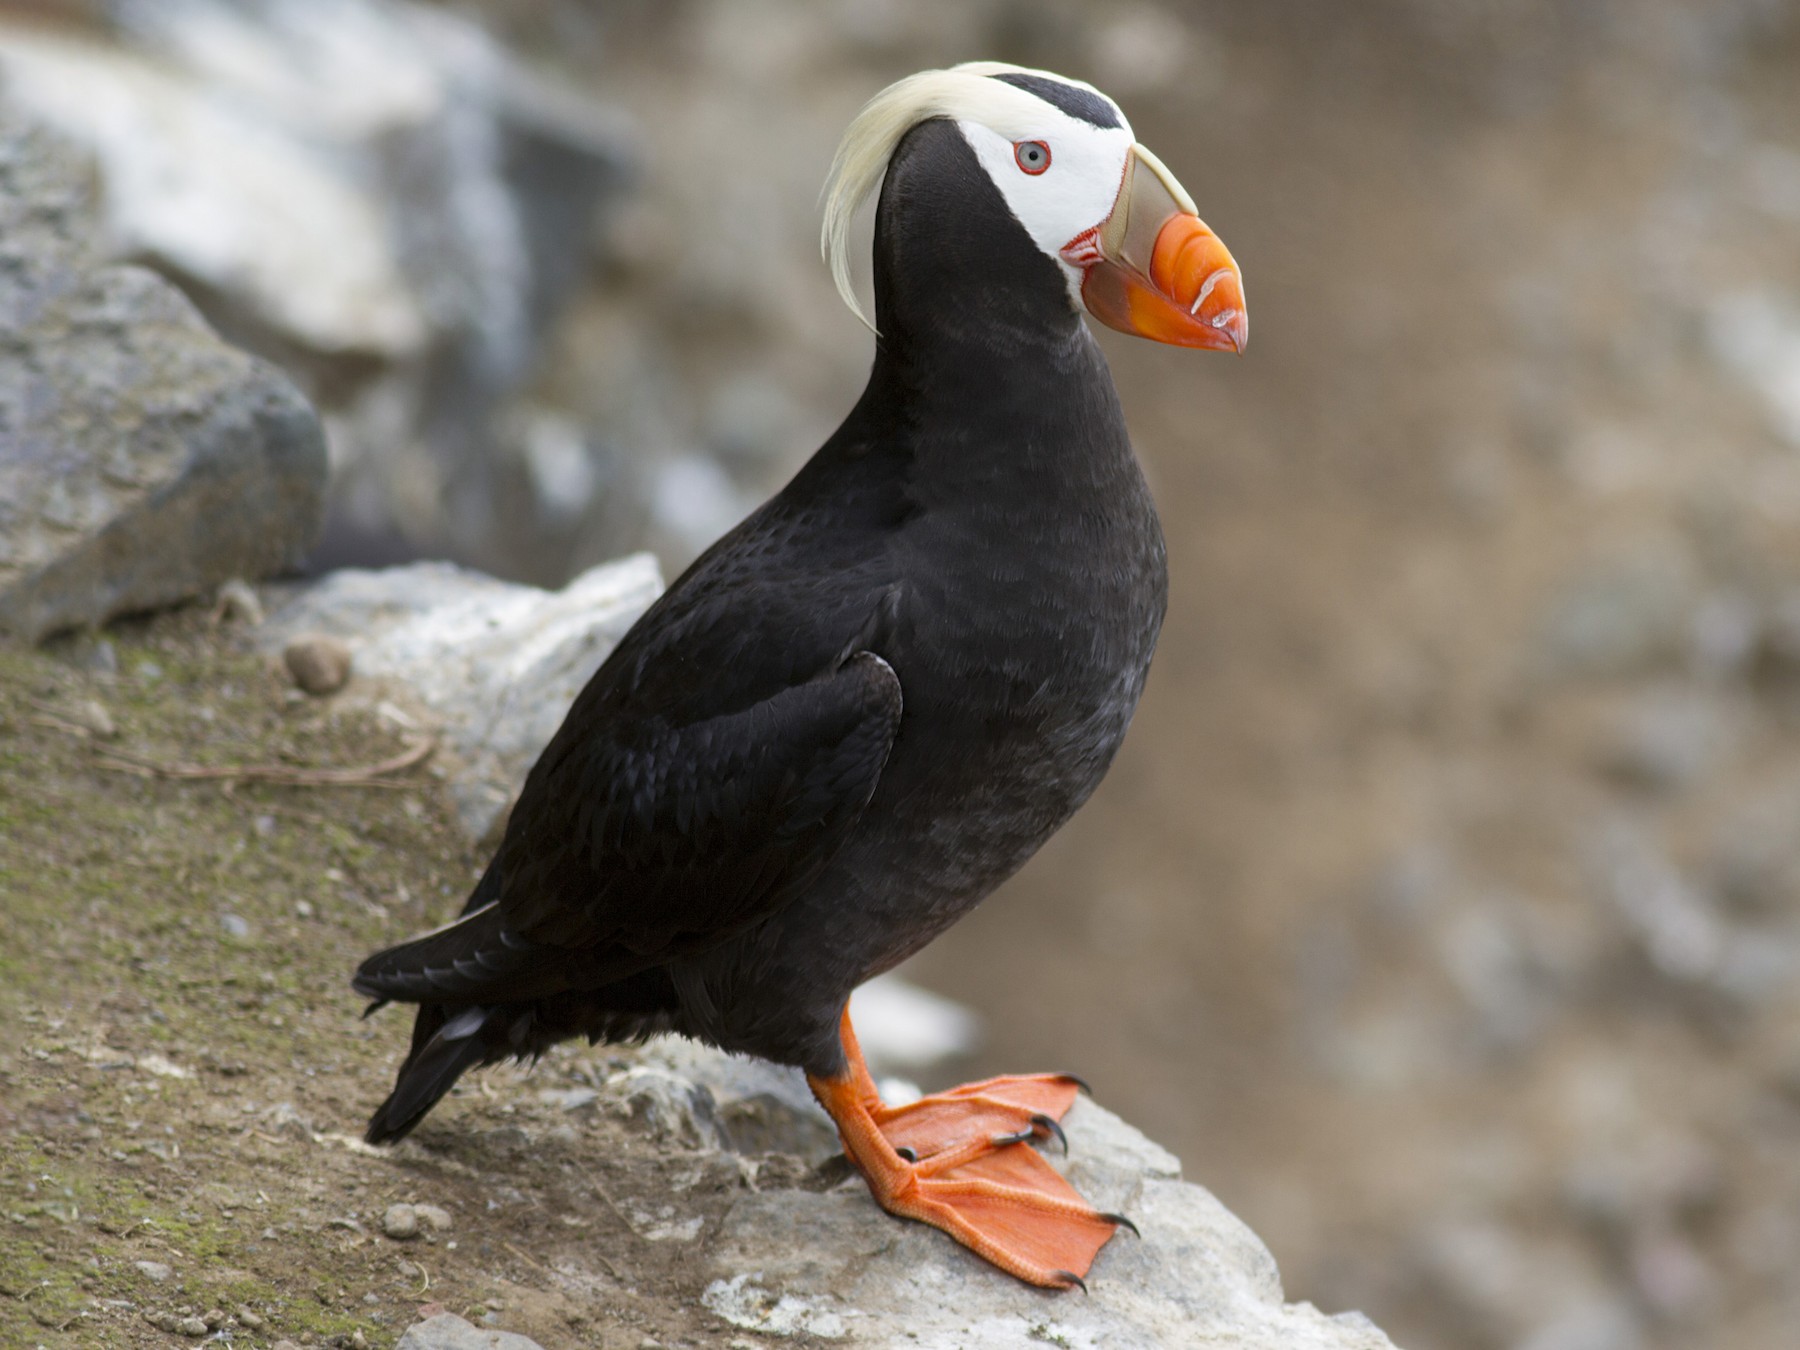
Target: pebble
{"points": [[434, 1217], [400, 1222], [180, 1325], [570, 1099], [91, 714], [283, 1119], [319, 664], [236, 600], [249, 1318], [155, 1270]]}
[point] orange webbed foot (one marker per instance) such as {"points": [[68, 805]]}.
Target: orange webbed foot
{"points": [[958, 1161], [1002, 1111]]}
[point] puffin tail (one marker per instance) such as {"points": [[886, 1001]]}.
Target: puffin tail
{"points": [[469, 978], [445, 1045]]}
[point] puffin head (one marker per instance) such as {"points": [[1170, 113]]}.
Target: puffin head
{"points": [[1124, 237]]}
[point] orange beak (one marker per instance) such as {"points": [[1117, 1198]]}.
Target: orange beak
{"points": [[1153, 269]]}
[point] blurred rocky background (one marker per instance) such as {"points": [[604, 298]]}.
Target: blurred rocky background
{"points": [[1444, 912]]}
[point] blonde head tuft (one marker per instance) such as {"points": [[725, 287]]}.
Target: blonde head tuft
{"points": [[963, 91]]}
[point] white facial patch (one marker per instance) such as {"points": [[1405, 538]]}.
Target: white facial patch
{"points": [[1077, 191], [1072, 195]]}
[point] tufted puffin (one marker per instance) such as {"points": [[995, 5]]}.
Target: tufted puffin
{"points": [[869, 703]]}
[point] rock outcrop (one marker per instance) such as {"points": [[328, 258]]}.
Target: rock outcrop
{"points": [[496, 665], [833, 1266], [378, 196], [142, 460]]}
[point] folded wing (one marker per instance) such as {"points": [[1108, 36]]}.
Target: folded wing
{"points": [[638, 842]]}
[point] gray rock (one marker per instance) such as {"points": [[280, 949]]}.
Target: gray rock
{"points": [[496, 664], [434, 1217], [178, 1324], [447, 1331], [374, 192], [834, 1267], [758, 1107], [1669, 739], [358, 175], [283, 1119], [142, 461], [400, 1222], [674, 1109], [1619, 615]]}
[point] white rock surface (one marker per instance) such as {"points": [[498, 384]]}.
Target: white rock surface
{"points": [[233, 201], [833, 1266], [447, 1331], [496, 664], [335, 166], [903, 1028]]}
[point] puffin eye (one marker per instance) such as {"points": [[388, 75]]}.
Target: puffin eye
{"points": [[1033, 156]]}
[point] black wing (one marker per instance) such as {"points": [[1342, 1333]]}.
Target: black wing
{"points": [[640, 839]]}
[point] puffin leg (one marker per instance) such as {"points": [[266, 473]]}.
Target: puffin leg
{"points": [[1001, 1110], [966, 1171]]}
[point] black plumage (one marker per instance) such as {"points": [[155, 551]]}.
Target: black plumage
{"points": [[851, 718]]}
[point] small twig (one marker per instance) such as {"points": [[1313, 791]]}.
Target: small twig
{"points": [[55, 723], [618, 1214], [365, 775], [521, 1255]]}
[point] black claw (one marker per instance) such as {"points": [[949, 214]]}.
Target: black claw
{"points": [[1074, 1281], [1050, 1127], [1004, 1140], [907, 1155], [1079, 1082], [1123, 1222]]}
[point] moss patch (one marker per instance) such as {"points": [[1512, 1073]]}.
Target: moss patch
{"points": [[187, 1071]]}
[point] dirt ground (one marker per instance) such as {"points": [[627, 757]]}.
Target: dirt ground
{"points": [[185, 1072]]}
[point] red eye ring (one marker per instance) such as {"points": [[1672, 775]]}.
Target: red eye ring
{"points": [[1032, 157]]}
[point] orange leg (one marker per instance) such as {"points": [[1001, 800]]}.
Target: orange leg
{"points": [[957, 1161]]}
